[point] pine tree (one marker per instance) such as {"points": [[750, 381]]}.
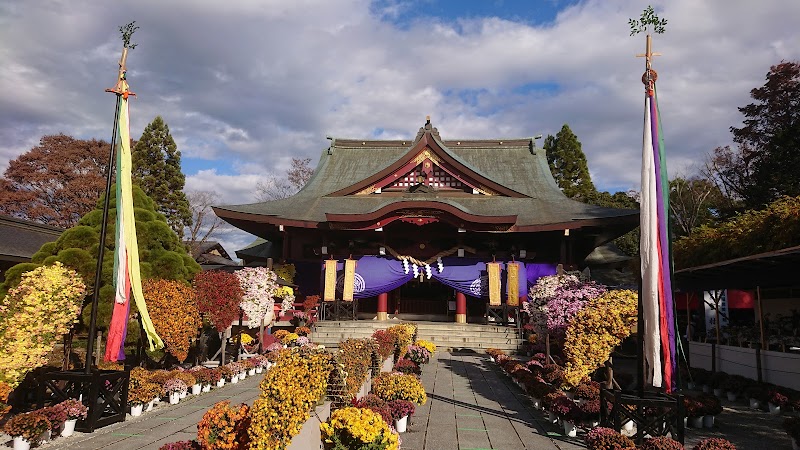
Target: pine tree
{"points": [[568, 164], [157, 170]]}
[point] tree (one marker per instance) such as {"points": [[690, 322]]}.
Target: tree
{"points": [[568, 164], [300, 172], [770, 137], [273, 188], [161, 253], [693, 202], [157, 170], [56, 182], [628, 242], [205, 224]]}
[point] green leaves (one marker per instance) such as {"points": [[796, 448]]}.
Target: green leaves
{"points": [[648, 19], [127, 32]]}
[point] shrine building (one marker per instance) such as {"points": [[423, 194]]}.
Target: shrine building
{"points": [[428, 228]]}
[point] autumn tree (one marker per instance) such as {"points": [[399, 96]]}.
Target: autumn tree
{"points": [[568, 164], [205, 224], [56, 182], [157, 170], [769, 139], [276, 188], [693, 202]]}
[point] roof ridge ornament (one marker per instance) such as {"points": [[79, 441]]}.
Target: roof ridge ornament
{"points": [[427, 128]]}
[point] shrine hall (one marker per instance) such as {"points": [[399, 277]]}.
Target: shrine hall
{"points": [[428, 228]]}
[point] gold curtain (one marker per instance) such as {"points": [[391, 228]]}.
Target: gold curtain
{"points": [[512, 285], [330, 280], [349, 279], [493, 269]]}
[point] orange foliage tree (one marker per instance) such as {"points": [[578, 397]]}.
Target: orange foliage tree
{"points": [[173, 309]]}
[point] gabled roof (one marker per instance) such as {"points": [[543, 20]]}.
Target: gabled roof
{"points": [[20, 239], [514, 170]]}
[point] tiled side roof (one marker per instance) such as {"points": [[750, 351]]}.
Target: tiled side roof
{"points": [[20, 239]]}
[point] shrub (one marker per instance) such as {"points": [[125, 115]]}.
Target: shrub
{"points": [[714, 444], [358, 428], [391, 386], [29, 426], [385, 342], [601, 438], [181, 445], [661, 443], [224, 427], [407, 366]]}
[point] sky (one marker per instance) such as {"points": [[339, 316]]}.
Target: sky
{"points": [[246, 85]]}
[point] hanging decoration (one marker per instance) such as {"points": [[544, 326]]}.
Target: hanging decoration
{"points": [[330, 280], [349, 279], [512, 285], [493, 269]]}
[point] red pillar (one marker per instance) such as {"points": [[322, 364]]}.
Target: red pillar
{"points": [[461, 308], [383, 306]]}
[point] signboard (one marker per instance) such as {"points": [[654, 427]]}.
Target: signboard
{"points": [[710, 300]]}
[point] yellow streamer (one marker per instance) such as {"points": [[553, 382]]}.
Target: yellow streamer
{"points": [[512, 284], [349, 279], [330, 280], [493, 269]]}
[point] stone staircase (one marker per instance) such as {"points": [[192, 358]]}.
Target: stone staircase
{"points": [[446, 336]]}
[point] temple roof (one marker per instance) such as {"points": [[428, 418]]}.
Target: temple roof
{"points": [[511, 175], [20, 239]]}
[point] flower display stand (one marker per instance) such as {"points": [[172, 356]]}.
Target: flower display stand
{"points": [[617, 407], [104, 392], [21, 443], [401, 424], [68, 428], [310, 436]]}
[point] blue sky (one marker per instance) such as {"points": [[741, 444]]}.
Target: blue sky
{"points": [[247, 85]]}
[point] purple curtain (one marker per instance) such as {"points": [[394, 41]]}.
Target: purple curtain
{"points": [[374, 275]]}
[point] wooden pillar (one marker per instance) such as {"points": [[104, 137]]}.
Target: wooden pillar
{"points": [[383, 306], [461, 308], [761, 318]]}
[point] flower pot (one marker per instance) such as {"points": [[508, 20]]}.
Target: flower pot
{"points": [[718, 392], [206, 387], [774, 409], [731, 396], [183, 394], [234, 379], [251, 372], [582, 401], [696, 422], [685, 422], [491, 358], [550, 417], [570, 429], [21, 443], [136, 409], [628, 426], [149, 406], [174, 398], [157, 400], [537, 403], [45, 436], [401, 424], [708, 421], [221, 382], [755, 404], [259, 369], [196, 389], [69, 427]]}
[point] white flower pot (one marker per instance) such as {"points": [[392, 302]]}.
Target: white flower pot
{"points": [[234, 379], [551, 417], [685, 422], [136, 409], [45, 436], [491, 358], [259, 369], [628, 426], [731, 396], [157, 400], [774, 409], [251, 372], [206, 387], [196, 389], [755, 404], [68, 428], [174, 398], [221, 382], [708, 421], [570, 429], [183, 394], [718, 392], [401, 424], [21, 443], [149, 406], [696, 422]]}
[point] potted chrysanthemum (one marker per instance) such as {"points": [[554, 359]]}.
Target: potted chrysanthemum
{"points": [[173, 388], [401, 410], [26, 429], [74, 410]]}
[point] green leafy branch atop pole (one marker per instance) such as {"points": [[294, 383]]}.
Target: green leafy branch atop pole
{"points": [[648, 19], [127, 32]]}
